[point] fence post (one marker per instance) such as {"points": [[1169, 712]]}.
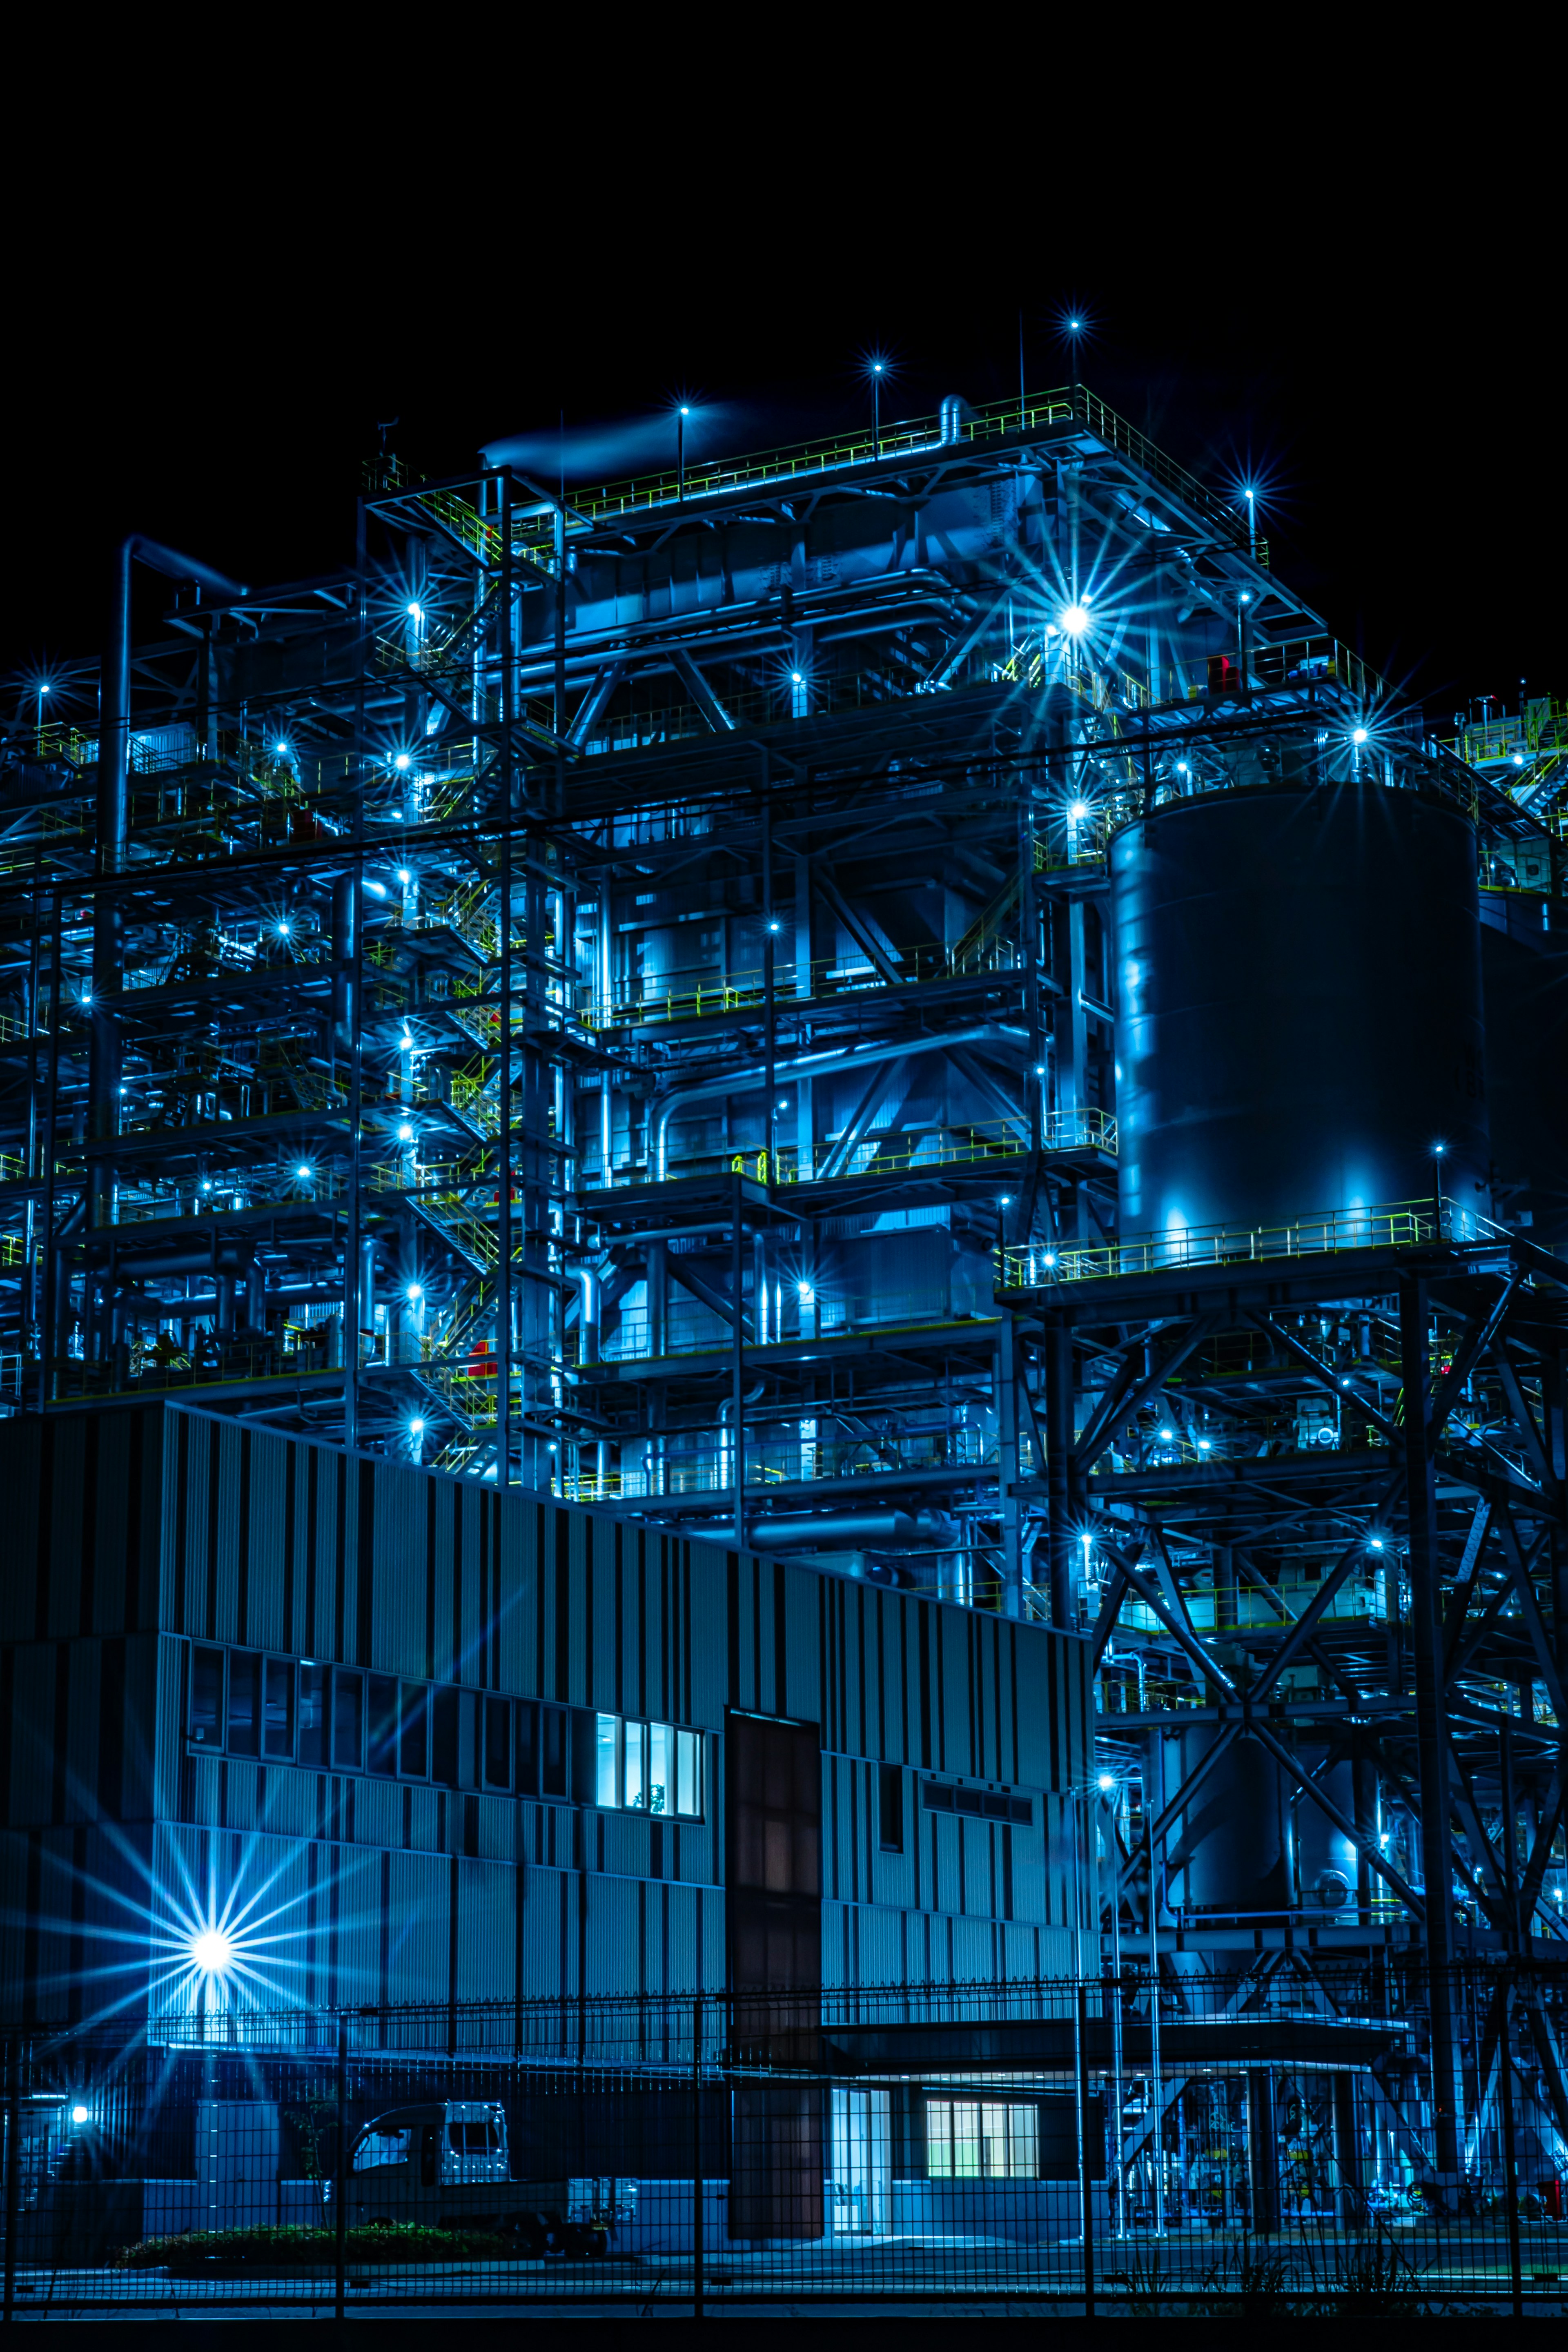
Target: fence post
{"points": [[1510, 2168], [1084, 2178], [341, 2169], [696, 2310], [12, 2169]]}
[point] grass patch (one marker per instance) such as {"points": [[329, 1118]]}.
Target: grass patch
{"points": [[407, 2241]]}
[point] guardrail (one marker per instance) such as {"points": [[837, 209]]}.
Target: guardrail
{"points": [[1402, 1224]]}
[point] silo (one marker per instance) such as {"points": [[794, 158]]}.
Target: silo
{"points": [[1235, 1839], [1298, 1006]]}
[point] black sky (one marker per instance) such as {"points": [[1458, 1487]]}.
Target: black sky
{"points": [[1371, 328]]}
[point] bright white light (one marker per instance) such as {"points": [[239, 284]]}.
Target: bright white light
{"points": [[46, 689], [282, 750], [404, 876], [1358, 735], [1075, 326], [1168, 1436], [1073, 620], [1439, 1150], [772, 927], [876, 370], [406, 1135], [417, 1429], [414, 1291], [401, 761], [376, 889], [1050, 1258], [213, 1951], [1078, 811], [1246, 597], [1203, 1443], [804, 1292], [1005, 1201], [1107, 1780], [1376, 1544], [303, 1169], [1039, 1069], [686, 412], [1183, 769], [408, 1042], [78, 2114], [796, 678], [1519, 759], [284, 929], [414, 613]]}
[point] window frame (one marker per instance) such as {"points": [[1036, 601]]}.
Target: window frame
{"points": [[629, 1734]]}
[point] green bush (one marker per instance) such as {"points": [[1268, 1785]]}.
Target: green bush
{"points": [[407, 2241]]}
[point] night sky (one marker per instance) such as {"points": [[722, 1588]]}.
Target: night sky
{"points": [[1372, 335]]}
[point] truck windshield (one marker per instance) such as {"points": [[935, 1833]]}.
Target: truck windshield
{"points": [[377, 2147], [474, 2139]]}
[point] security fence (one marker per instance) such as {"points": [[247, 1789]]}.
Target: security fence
{"points": [[1267, 2136]]}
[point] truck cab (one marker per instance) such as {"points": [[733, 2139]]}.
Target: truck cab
{"points": [[445, 2164]]}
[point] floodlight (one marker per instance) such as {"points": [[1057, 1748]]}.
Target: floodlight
{"points": [[401, 761], [417, 1429], [1358, 735], [414, 1291], [213, 1951], [1073, 619], [78, 2114], [303, 1169], [406, 1135], [1078, 809]]}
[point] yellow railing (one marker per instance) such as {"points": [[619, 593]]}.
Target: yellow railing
{"points": [[694, 994], [1400, 1225]]}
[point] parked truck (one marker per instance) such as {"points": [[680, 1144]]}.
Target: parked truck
{"points": [[445, 2164]]}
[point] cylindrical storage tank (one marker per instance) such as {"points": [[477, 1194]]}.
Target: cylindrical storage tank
{"points": [[1235, 1839], [1299, 1021], [1326, 1860]]}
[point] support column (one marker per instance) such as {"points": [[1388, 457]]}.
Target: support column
{"points": [[1005, 1377], [1062, 1534], [1425, 1642]]}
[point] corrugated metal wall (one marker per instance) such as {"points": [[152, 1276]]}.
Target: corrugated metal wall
{"points": [[130, 1530]]}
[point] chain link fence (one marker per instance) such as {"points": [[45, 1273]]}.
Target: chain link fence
{"points": [[1274, 2137]]}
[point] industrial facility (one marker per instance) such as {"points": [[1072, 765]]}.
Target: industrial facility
{"points": [[872, 1085]]}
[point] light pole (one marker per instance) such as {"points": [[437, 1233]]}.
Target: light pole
{"points": [[1439, 1150], [875, 408], [43, 689], [1074, 330], [682, 413], [1251, 497]]}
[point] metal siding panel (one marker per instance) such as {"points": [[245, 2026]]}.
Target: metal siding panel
{"points": [[169, 1671], [486, 1941], [420, 1944], [264, 1628], [397, 1644], [800, 1672], [1035, 1706], [111, 1528], [359, 1924], [518, 1570], [443, 1572], [32, 1733], [21, 1450], [82, 1717], [593, 1542], [956, 1715], [329, 1636], [378, 1812], [708, 1630], [66, 1531], [223, 1553]]}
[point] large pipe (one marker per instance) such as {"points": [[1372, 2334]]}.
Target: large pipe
{"points": [[807, 1066], [800, 1530]]}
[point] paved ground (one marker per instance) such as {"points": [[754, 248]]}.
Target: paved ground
{"points": [[937, 2275]]}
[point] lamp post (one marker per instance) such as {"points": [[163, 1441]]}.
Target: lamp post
{"points": [[1074, 330], [43, 689], [682, 413], [877, 408], [1439, 1150]]}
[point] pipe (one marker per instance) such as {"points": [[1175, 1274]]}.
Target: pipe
{"points": [[806, 1065], [950, 430], [928, 1531], [587, 1312], [346, 925]]}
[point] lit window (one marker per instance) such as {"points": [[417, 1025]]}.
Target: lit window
{"points": [[647, 1767], [981, 2139]]}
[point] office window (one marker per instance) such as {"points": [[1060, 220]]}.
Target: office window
{"points": [[647, 1767], [312, 1714], [348, 1719], [444, 1739], [244, 1702], [413, 1733], [206, 1696], [278, 1707], [498, 1743], [525, 1740], [555, 1753], [890, 1807], [981, 2139], [980, 1804]]}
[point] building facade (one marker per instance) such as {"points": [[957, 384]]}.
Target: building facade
{"points": [[389, 1736]]}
